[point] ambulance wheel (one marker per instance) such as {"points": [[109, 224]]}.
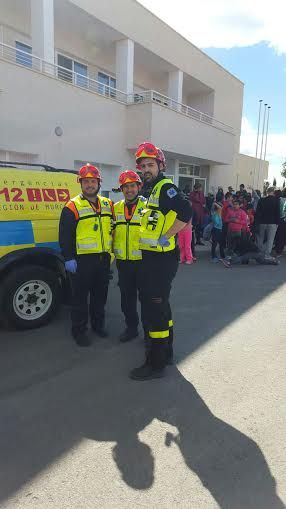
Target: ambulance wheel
{"points": [[31, 297]]}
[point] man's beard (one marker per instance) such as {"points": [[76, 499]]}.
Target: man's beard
{"points": [[90, 194], [148, 178]]}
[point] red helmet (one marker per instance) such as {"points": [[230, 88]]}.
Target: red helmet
{"points": [[89, 171], [129, 176], [149, 150], [162, 158]]}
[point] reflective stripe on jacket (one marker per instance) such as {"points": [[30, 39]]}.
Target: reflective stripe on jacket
{"points": [[94, 226], [154, 223], [127, 230]]}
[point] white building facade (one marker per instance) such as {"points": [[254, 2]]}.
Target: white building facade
{"points": [[88, 81]]}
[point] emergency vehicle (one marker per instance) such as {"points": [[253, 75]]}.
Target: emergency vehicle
{"points": [[33, 280]]}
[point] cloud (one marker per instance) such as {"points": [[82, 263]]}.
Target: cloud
{"points": [[225, 24], [276, 148]]}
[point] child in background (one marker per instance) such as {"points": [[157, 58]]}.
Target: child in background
{"points": [[237, 223], [251, 216], [194, 240], [217, 237], [228, 204], [185, 239]]}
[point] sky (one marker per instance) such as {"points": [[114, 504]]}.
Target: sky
{"points": [[248, 38]]}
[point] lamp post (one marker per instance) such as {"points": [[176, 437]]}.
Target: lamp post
{"points": [[262, 142], [267, 128], [257, 139], [260, 104]]}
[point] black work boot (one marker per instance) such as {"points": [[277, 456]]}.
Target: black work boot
{"points": [[128, 335], [170, 356], [146, 372], [170, 360], [100, 331], [82, 339]]}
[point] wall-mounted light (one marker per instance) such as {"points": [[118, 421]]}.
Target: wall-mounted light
{"points": [[59, 131]]}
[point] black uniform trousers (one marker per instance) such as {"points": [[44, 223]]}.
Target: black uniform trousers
{"points": [[90, 280], [129, 282], [158, 272]]}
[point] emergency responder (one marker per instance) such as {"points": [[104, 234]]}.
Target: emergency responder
{"points": [[166, 213], [85, 235], [126, 250]]}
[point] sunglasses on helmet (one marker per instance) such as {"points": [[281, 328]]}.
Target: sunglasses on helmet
{"points": [[148, 148]]}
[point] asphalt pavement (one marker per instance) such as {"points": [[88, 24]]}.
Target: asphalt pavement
{"points": [[76, 433]]}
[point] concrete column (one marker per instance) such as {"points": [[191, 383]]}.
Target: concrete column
{"points": [[2, 40], [125, 65], [42, 20], [175, 85], [176, 177]]}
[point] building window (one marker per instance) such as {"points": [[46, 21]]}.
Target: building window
{"points": [[189, 169], [186, 183], [106, 82], [80, 74], [69, 68], [23, 54], [19, 157]]}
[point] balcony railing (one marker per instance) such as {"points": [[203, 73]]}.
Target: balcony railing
{"points": [[151, 96], [30, 61]]}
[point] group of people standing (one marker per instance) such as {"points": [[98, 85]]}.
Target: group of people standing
{"points": [[140, 231], [242, 224]]}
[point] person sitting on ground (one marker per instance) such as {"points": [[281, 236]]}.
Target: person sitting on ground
{"points": [[217, 237], [246, 250]]}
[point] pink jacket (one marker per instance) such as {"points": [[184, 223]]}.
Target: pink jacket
{"points": [[186, 228], [241, 220]]}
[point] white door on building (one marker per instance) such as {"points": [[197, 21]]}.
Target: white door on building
{"points": [[189, 175], [190, 181]]}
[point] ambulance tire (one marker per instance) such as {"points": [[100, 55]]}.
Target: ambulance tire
{"points": [[31, 278]]}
